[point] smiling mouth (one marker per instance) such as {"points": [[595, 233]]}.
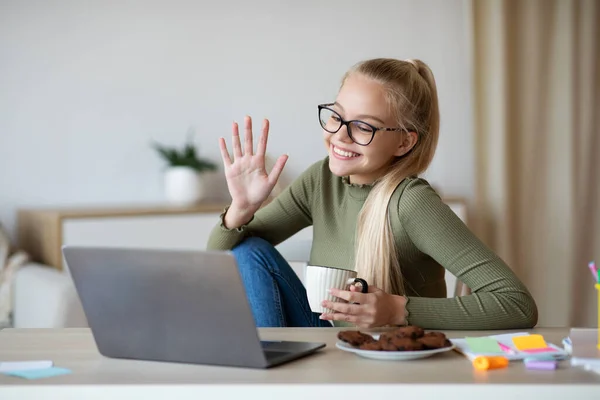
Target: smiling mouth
{"points": [[343, 153]]}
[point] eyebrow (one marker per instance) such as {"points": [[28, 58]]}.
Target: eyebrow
{"points": [[362, 116]]}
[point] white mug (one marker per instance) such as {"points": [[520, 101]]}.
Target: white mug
{"points": [[320, 279]]}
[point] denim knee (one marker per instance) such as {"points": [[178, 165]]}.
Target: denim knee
{"points": [[255, 251], [252, 245]]}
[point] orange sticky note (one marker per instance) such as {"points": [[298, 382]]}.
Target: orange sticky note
{"points": [[529, 342]]}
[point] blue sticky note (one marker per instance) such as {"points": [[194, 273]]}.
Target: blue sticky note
{"points": [[539, 357], [39, 373]]}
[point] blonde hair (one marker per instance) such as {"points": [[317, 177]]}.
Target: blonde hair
{"points": [[412, 99]]}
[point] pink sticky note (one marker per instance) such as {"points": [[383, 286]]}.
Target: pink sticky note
{"points": [[541, 350], [505, 348]]}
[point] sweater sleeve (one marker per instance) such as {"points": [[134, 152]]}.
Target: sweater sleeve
{"points": [[498, 301], [287, 214]]}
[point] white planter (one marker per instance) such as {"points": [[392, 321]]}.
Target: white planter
{"points": [[183, 186]]}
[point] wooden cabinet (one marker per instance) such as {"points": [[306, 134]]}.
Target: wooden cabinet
{"points": [[42, 232]]}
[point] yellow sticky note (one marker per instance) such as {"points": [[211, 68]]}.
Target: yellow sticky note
{"points": [[529, 342]]}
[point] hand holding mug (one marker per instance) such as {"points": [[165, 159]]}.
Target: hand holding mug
{"points": [[366, 310], [319, 280]]}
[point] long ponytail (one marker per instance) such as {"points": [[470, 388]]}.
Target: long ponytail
{"points": [[412, 96]]}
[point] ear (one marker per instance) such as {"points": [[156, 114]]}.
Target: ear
{"points": [[409, 140]]}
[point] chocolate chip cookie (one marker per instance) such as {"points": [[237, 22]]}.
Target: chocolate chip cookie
{"points": [[355, 338]]}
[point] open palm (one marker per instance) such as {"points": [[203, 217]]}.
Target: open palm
{"points": [[248, 181]]}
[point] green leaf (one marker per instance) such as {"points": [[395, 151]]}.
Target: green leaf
{"points": [[187, 156]]}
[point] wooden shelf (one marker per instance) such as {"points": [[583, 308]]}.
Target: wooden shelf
{"points": [[122, 211], [40, 230]]}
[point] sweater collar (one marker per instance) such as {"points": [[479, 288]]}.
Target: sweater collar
{"points": [[357, 191]]}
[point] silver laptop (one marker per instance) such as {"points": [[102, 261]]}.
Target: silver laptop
{"points": [[177, 306]]}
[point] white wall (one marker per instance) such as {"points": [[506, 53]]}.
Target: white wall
{"points": [[85, 86]]}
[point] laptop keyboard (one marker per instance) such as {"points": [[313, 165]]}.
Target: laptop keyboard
{"points": [[270, 354], [266, 344]]}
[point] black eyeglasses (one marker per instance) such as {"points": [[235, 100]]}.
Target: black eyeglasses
{"points": [[360, 132]]}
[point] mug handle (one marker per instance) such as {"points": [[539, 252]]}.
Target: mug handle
{"points": [[363, 284]]}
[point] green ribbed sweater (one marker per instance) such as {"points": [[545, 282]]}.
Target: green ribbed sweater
{"points": [[429, 237]]}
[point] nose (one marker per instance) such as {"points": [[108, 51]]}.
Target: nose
{"points": [[342, 134]]}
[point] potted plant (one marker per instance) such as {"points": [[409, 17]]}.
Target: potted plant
{"points": [[183, 179]]}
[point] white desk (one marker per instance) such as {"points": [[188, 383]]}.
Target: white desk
{"points": [[329, 374]]}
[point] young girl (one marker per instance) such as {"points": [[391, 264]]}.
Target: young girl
{"points": [[370, 212]]}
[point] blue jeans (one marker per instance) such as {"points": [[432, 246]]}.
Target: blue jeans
{"points": [[274, 291]]}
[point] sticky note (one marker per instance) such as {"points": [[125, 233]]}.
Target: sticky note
{"points": [[483, 345], [541, 365], [506, 349], [539, 357], [39, 373], [24, 365], [541, 350], [529, 342]]}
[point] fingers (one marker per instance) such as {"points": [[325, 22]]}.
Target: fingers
{"points": [[224, 152], [344, 308], [353, 314], [354, 288], [261, 149], [248, 147], [340, 317], [350, 297], [357, 309], [277, 169], [358, 289], [235, 138]]}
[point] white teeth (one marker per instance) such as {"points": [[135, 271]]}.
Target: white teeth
{"points": [[344, 153]]}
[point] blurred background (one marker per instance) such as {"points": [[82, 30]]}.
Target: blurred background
{"points": [[86, 86]]}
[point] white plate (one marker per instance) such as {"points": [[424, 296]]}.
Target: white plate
{"points": [[391, 355]]}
